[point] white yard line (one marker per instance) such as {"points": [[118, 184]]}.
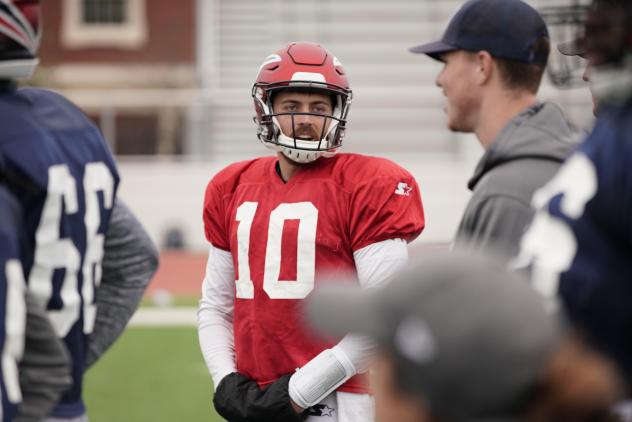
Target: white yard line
{"points": [[152, 317]]}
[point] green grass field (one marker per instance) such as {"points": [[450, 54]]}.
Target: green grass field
{"points": [[151, 374]]}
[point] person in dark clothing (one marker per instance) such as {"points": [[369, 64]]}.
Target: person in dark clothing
{"points": [[578, 249], [86, 260]]}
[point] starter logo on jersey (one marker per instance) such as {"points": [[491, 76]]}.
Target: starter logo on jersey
{"points": [[320, 410], [403, 189]]}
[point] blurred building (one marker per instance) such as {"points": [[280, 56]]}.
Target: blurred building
{"points": [[130, 64]]}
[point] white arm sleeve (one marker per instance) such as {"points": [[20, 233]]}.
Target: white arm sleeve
{"points": [[215, 315], [376, 265]]}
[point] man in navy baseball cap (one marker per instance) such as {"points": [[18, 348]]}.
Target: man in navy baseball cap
{"points": [[494, 54]]}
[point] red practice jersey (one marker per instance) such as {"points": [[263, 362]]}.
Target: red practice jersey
{"points": [[286, 238]]}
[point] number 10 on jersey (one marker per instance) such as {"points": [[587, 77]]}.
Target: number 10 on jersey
{"points": [[307, 214]]}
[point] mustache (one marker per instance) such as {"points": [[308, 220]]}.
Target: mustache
{"points": [[305, 132]]}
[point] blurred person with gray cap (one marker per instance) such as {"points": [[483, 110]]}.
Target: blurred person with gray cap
{"points": [[494, 54], [461, 339]]}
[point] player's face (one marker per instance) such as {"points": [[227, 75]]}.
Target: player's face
{"points": [[307, 127], [456, 79], [391, 404]]}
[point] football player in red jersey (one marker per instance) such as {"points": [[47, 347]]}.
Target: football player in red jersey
{"points": [[280, 225]]}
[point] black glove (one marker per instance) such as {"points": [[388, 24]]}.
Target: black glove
{"points": [[239, 399]]}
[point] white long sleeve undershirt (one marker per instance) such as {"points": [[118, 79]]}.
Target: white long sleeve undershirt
{"points": [[376, 265], [215, 315]]}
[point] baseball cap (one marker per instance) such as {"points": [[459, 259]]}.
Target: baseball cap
{"points": [[465, 335], [508, 29]]}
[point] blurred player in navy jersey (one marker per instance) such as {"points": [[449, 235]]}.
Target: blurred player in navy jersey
{"points": [[579, 246], [24, 325], [75, 234], [12, 305], [278, 227], [13, 312]]}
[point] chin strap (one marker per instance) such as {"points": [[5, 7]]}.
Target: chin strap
{"points": [[300, 156]]}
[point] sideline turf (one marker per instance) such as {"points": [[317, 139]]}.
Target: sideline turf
{"points": [[151, 374]]}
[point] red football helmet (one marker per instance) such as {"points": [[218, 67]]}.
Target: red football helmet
{"points": [[301, 66], [19, 37]]}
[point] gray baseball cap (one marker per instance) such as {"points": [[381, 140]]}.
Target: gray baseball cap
{"points": [[465, 335]]}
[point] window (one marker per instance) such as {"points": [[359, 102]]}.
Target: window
{"points": [[104, 23], [104, 11], [142, 131]]}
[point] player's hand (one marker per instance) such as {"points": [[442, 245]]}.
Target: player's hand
{"points": [[296, 407], [239, 399]]}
